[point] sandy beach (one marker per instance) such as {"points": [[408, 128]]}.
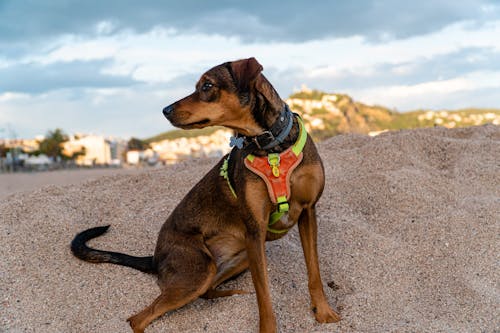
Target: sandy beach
{"points": [[409, 241], [28, 181]]}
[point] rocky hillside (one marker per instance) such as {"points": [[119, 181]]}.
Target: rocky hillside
{"points": [[327, 115]]}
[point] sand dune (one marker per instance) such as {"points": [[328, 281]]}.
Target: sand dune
{"points": [[409, 241]]}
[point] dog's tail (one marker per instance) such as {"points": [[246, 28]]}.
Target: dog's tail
{"points": [[82, 251]]}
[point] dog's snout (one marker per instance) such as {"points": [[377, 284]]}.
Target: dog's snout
{"points": [[168, 110]]}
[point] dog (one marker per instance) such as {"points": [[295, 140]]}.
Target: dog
{"points": [[220, 227]]}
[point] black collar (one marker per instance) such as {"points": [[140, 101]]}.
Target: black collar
{"points": [[269, 138]]}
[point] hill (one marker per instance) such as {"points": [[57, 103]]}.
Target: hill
{"points": [[330, 114], [179, 133]]}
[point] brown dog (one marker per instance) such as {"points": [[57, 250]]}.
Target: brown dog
{"points": [[218, 230]]}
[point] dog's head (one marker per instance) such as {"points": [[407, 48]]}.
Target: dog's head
{"points": [[234, 94]]}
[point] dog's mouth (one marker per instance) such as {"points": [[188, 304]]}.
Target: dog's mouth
{"points": [[196, 124]]}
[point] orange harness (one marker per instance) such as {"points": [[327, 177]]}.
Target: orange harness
{"points": [[275, 170]]}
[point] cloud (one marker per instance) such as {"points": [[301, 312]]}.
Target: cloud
{"points": [[411, 72], [161, 56], [108, 111], [450, 93], [38, 78], [111, 65], [258, 20]]}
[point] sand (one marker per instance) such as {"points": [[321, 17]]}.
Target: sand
{"points": [[29, 181], [409, 241]]}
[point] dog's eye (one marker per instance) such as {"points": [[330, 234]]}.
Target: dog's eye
{"points": [[206, 86]]}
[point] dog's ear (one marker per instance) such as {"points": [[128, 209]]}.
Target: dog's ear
{"points": [[245, 72], [267, 91]]}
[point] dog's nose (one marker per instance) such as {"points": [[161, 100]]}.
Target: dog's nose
{"points": [[168, 110]]}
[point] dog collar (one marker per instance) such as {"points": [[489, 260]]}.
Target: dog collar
{"points": [[270, 138]]}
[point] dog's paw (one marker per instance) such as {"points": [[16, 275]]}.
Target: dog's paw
{"points": [[133, 321], [326, 315]]}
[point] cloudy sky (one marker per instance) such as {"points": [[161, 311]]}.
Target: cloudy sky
{"points": [[109, 67]]}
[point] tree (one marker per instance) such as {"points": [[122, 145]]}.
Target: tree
{"points": [[137, 144], [52, 144], [81, 152], [3, 150]]}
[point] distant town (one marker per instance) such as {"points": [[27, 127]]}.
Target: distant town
{"points": [[99, 151], [324, 114]]}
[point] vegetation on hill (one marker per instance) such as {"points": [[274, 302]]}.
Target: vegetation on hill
{"points": [[308, 94], [176, 134]]}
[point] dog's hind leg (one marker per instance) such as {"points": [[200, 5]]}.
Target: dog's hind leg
{"points": [[182, 279], [227, 271], [214, 293]]}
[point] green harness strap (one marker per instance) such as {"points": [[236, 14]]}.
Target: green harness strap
{"points": [[224, 173], [282, 204]]}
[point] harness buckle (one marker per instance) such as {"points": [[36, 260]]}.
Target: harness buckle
{"points": [[274, 162], [282, 204], [283, 207]]}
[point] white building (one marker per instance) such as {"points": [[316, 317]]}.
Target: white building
{"points": [[214, 145], [97, 150]]}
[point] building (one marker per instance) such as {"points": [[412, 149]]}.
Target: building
{"points": [[25, 145], [174, 150], [94, 150]]}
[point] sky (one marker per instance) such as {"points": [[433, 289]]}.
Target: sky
{"points": [[109, 67]]}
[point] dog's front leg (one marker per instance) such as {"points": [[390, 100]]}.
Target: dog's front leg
{"points": [[308, 230], [255, 239]]}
